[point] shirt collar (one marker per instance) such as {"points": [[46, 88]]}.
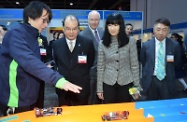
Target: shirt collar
{"points": [[93, 31], [68, 41], [158, 42]]}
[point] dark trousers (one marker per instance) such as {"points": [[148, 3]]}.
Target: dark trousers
{"points": [[93, 98], [117, 93], [158, 89], [5, 110], [71, 99], [40, 100]]}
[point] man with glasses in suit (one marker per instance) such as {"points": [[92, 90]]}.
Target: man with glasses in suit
{"points": [[74, 56]]}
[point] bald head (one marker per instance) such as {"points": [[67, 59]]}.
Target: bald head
{"points": [[70, 18], [93, 19], [94, 13]]}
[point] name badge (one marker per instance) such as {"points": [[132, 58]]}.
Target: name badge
{"points": [[82, 59], [170, 58], [43, 51]]}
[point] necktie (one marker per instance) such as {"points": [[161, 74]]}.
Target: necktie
{"points": [[96, 36], [160, 72], [71, 46]]}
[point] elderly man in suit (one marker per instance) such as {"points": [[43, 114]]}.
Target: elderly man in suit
{"points": [[95, 34], [159, 57], [74, 56]]}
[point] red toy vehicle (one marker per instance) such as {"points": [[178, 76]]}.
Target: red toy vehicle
{"points": [[47, 111], [119, 115]]}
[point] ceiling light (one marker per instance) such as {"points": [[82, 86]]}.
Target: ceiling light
{"points": [[71, 4], [17, 3]]}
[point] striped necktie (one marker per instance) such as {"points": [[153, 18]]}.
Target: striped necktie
{"points": [[97, 37], [71, 46]]}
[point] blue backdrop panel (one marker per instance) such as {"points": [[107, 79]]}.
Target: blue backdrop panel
{"points": [[61, 13], [126, 15], [81, 14], [12, 14], [174, 118], [165, 111], [161, 103]]}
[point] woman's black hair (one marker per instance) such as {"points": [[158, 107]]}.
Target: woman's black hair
{"points": [[4, 27], [54, 33], [128, 24], [35, 9], [179, 38], [59, 34], [123, 39]]}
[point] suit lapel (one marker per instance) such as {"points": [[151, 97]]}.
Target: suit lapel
{"points": [[168, 49], [76, 52], [91, 34], [93, 38], [65, 52], [100, 33], [167, 46], [153, 50]]}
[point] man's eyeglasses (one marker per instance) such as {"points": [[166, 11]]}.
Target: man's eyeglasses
{"points": [[45, 20], [71, 29]]}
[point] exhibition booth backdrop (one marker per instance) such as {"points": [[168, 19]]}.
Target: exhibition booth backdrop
{"points": [[11, 17]]}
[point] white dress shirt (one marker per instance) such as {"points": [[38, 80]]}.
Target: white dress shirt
{"points": [[73, 42]]}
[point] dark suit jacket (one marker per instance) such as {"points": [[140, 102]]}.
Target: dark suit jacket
{"points": [[68, 65], [47, 57], [147, 59], [88, 34]]}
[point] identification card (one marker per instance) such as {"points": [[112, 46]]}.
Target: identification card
{"points": [[82, 59], [170, 58], [43, 51]]}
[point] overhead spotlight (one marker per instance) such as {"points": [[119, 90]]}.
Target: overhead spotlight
{"points": [[17, 3], [8, 23], [71, 4]]}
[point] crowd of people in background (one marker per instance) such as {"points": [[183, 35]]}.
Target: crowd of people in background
{"points": [[94, 66]]}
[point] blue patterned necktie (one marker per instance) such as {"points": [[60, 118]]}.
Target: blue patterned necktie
{"points": [[160, 72]]}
